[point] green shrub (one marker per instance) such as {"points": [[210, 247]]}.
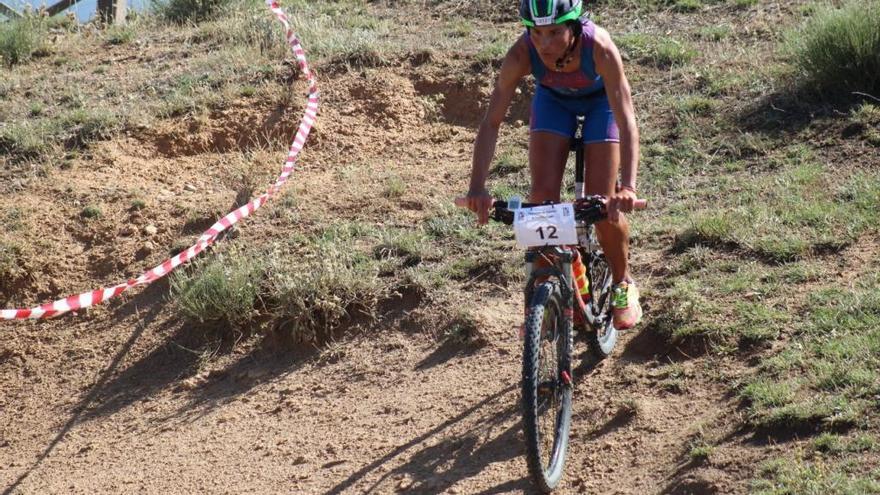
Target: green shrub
{"points": [[182, 11], [839, 49], [314, 292], [90, 211], [23, 141], [395, 187], [119, 35], [79, 127], [20, 40], [222, 289], [12, 264]]}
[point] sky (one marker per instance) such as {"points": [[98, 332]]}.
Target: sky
{"points": [[84, 10]]}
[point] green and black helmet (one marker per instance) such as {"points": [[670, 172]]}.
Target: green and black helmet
{"points": [[546, 12]]}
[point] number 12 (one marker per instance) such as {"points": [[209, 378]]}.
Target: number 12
{"points": [[551, 232]]}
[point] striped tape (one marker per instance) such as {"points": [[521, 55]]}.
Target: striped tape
{"points": [[88, 299]]}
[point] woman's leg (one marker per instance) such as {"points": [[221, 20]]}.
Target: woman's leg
{"points": [[548, 152], [601, 162]]}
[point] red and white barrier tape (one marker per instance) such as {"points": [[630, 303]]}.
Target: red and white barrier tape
{"points": [[85, 300]]}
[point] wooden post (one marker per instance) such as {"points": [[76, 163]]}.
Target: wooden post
{"points": [[9, 12], [112, 11], [59, 7]]}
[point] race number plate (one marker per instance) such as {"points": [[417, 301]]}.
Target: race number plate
{"points": [[549, 225]]}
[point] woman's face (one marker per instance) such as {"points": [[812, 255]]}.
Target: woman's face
{"points": [[551, 41]]}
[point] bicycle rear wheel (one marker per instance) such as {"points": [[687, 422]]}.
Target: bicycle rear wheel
{"points": [[603, 336], [546, 385]]}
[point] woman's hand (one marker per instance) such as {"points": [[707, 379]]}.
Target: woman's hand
{"points": [[624, 200], [480, 203]]}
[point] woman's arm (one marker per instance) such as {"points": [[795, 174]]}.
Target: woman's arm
{"points": [[516, 65], [609, 65]]}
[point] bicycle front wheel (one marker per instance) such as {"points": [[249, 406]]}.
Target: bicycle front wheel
{"points": [[546, 385]]}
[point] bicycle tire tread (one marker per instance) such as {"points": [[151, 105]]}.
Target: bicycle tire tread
{"points": [[542, 296]]}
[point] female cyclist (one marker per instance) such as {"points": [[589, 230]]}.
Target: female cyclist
{"points": [[578, 71]]}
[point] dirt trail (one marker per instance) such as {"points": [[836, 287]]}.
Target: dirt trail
{"points": [[393, 412]]}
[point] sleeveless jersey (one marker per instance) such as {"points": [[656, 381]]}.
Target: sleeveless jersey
{"points": [[580, 83]]}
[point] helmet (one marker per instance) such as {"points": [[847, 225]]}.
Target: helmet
{"points": [[545, 12]]}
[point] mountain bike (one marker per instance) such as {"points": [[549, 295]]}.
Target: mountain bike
{"points": [[557, 237], [554, 310]]}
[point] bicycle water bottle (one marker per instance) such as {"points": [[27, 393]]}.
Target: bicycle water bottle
{"points": [[580, 276]]}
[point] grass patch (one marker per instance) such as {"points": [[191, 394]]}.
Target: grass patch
{"points": [[835, 362], [21, 40], [659, 51], [120, 34], [839, 48], [24, 141], [343, 31], [410, 246], [701, 453], [696, 105], [219, 290], [493, 51], [758, 323], [715, 33], [91, 212], [334, 278], [687, 5], [804, 209], [13, 264], [182, 11], [790, 476], [455, 225], [301, 289], [81, 126], [394, 187], [510, 162]]}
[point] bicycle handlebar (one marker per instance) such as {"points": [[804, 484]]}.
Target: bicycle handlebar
{"points": [[640, 204], [590, 209]]}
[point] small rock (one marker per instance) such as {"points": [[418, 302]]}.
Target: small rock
{"points": [[191, 383], [190, 188], [151, 230], [165, 192], [404, 484], [127, 230], [148, 247]]}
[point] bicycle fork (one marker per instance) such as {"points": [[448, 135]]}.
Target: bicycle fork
{"points": [[569, 295]]}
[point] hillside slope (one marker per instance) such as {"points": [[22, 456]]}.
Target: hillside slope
{"points": [[761, 241]]}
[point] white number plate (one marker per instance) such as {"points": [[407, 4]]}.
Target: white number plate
{"points": [[549, 225]]}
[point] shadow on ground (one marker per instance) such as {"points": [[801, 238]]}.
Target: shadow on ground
{"points": [[780, 114], [153, 298], [436, 467]]}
